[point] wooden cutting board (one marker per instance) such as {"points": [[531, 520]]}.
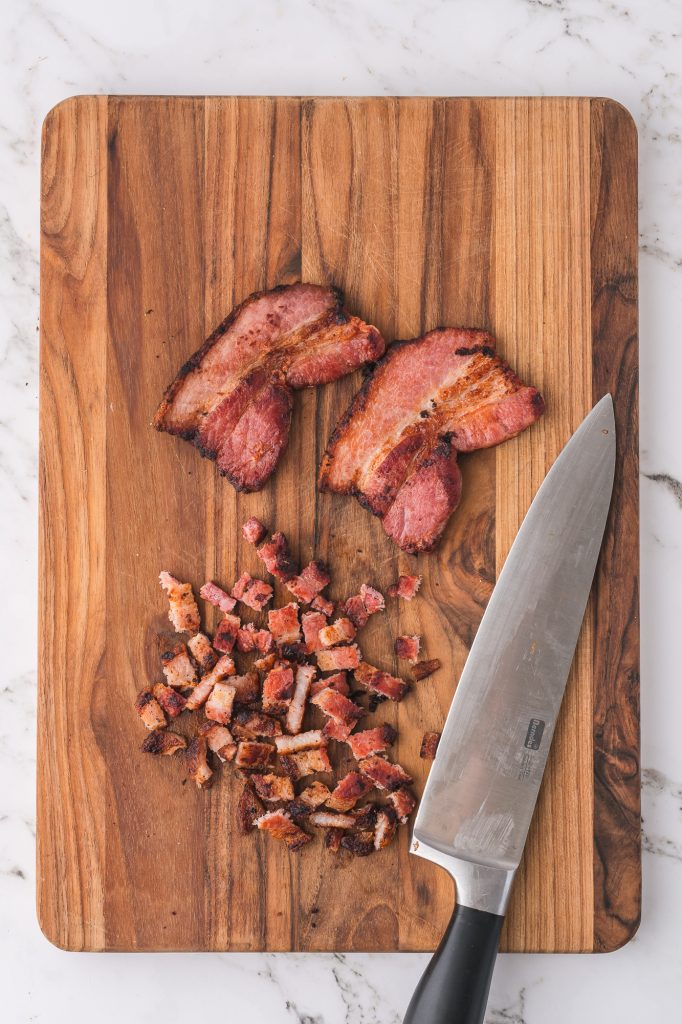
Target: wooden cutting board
{"points": [[158, 215]]}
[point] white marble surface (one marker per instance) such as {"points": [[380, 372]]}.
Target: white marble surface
{"points": [[50, 49]]}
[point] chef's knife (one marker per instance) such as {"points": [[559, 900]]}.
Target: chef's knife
{"points": [[481, 792]]}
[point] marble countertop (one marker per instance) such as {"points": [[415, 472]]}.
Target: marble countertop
{"points": [[51, 49]]}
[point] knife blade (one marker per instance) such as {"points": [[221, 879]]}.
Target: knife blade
{"points": [[483, 785]]}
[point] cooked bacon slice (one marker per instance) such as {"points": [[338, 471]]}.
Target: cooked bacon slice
{"points": [[371, 741], [161, 741], [396, 446], [406, 587], [385, 828], [302, 741], [273, 788], [380, 682], [200, 693], [340, 632], [176, 662], [218, 707], [430, 741], [322, 604], [223, 668], [149, 710], [338, 681], [332, 839], [212, 593], [351, 788], [425, 668], [251, 754], [172, 702], [407, 647], [253, 530], [249, 809], [337, 707], [327, 819], [233, 397], [247, 687], [361, 844], [219, 739], [309, 583], [226, 633], [312, 623], [314, 795], [307, 762], [198, 767], [294, 716], [254, 725], [202, 652], [404, 802], [283, 624], [383, 774], [277, 558], [253, 593], [337, 658], [279, 825], [278, 689], [183, 611]]}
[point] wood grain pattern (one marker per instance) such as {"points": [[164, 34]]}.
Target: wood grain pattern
{"points": [[158, 215]]}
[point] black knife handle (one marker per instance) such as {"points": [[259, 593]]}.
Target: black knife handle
{"points": [[454, 987]]}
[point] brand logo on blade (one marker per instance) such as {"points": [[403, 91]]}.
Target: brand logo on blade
{"points": [[536, 727]]}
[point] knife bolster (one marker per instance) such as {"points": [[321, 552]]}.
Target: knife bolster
{"points": [[481, 886]]}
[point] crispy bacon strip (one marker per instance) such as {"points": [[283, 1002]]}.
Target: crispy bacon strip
{"points": [[172, 702], [223, 668], [294, 716], [338, 658], [302, 741], [249, 809], [383, 774], [430, 741], [307, 762], [380, 682], [149, 710], [279, 825], [425, 668], [202, 652], [254, 725], [226, 633], [200, 694], [385, 828], [212, 593], [176, 662], [183, 611], [251, 754], [253, 530], [406, 587], [233, 398], [327, 819], [198, 767], [161, 741], [407, 647], [340, 632], [284, 625], [273, 788], [371, 741], [253, 593], [428, 399], [351, 788], [218, 707]]}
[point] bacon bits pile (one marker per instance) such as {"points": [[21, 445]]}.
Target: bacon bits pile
{"points": [[306, 663]]}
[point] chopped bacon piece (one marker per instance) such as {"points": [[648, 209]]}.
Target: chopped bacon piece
{"points": [[149, 710], [338, 707], [218, 707], [406, 587], [278, 689], [381, 682], [386, 828], [280, 826], [183, 611], [284, 625], [383, 774], [361, 844], [172, 702], [200, 694], [294, 716], [295, 653], [372, 598], [265, 641], [308, 584], [425, 668], [246, 639], [202, 652], [312, 623], [277, 558], [267, 662], [338, 658], [355, 609], [407, 647], [253, 593], [404, 802], [327, 819], [301, 741], [219, 739], [336, 682], [233, 397], [371, 741], [198, 767], [226, 633], [175, 661], [332, 839], [161, 741], [339, 633], [212, 593], [247, 687], [348, 791], [322, 604], [365, 817], [249, 809], [307, 762], [315, 794], [273, 788], [430, 741], [253, 755], [339, 731], [253, 530], [254, 725]]}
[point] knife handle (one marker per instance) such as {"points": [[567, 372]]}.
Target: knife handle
{"points": [[454, 987]]}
